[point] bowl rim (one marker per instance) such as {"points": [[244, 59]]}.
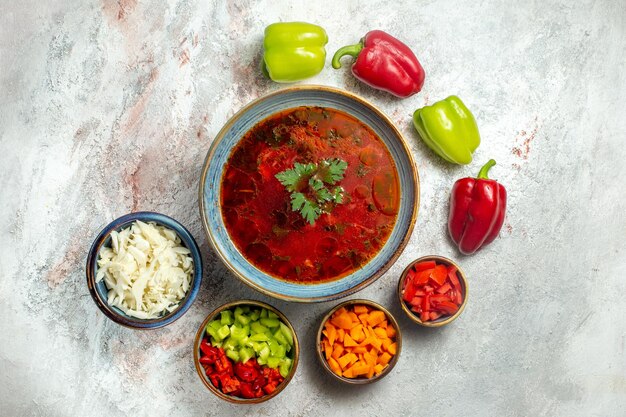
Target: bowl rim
{"points": [[200, 370], [188, 241], [442, 321], [358, 381], [384, 268]]}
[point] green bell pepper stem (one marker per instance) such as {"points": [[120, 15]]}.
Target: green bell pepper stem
{"points": [[482, 175], [352, 50]]}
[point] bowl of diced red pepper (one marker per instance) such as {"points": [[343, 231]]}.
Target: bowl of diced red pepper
{"points": [[246, 352], [433, 291]]}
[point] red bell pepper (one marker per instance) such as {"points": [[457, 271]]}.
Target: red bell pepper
{"points": [[385, 63], [477, 207]]}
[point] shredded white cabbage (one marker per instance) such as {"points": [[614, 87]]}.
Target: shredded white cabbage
{"points": [[146, 270]]}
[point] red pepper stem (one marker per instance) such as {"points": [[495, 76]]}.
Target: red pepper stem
{"points": [[352, 50], [485, 169]]}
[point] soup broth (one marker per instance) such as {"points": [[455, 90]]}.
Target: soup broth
{"points": [[310, 194]]}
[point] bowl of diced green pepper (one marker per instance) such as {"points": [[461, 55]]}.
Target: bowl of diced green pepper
{"points": [[246, 352]]}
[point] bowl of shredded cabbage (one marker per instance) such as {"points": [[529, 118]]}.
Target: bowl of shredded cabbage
{"points": [[144, 270]]}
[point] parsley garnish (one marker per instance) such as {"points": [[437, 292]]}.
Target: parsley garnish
{"points": [[308, 184]]}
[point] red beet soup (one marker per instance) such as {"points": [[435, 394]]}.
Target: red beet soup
{"points": [[310, 194]]}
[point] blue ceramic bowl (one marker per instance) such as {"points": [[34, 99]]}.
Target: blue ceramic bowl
{"points": [[245, 120], [99, 291]]}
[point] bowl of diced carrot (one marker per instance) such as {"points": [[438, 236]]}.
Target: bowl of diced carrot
{"points": [[433, 291], [359, 342]]}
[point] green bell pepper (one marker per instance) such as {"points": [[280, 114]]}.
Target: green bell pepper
{"points": [[449, 129], [293, 51]]}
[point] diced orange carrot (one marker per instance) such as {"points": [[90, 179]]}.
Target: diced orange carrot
{"points": [[369, 359], [384, 358], [331, 332], [348, 341], [381, 333], [337, 351], [360, 368], [378, 369], [365, 343], [363, 318], [343, 321], [345, 360], [353, 317], [358, 342], [376, 342], [375, 317], [386, 343], [359, 349], [334, 366], [360, 309], [357, 333], [340, 334], [328, 349]]}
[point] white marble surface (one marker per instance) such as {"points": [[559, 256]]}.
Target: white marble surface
{"points": [[109, 107]]}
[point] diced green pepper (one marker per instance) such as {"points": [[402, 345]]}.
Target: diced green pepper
{"points": [[263, 313], [233, 354], [280, 337], [285, 367], [269, 322], [264, 353], [239, 333], [254, 315], [215, 324], [246, 354], [287, 333], [227, 317], [223, 332], [259, 337], [273, 362], [230, 344], [271, 315], [257, 327]]}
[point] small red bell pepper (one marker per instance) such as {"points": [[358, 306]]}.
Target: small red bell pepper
{"points": [[385, 63], [477, 207]]}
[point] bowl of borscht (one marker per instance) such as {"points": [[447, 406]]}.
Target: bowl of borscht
{"points": [[309, 194]]}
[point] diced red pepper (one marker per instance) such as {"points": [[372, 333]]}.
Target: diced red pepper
{"points": [[434, 290], [269, 388], [454, 279], [208, 350], [448, 307], [444, 288], [409, 290], [416, 301], [426, 303], [215, 380], [439, 274], [422, 266], [247, 391], [245, 372], [436, 299], [422, 277], [229, 383]]}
